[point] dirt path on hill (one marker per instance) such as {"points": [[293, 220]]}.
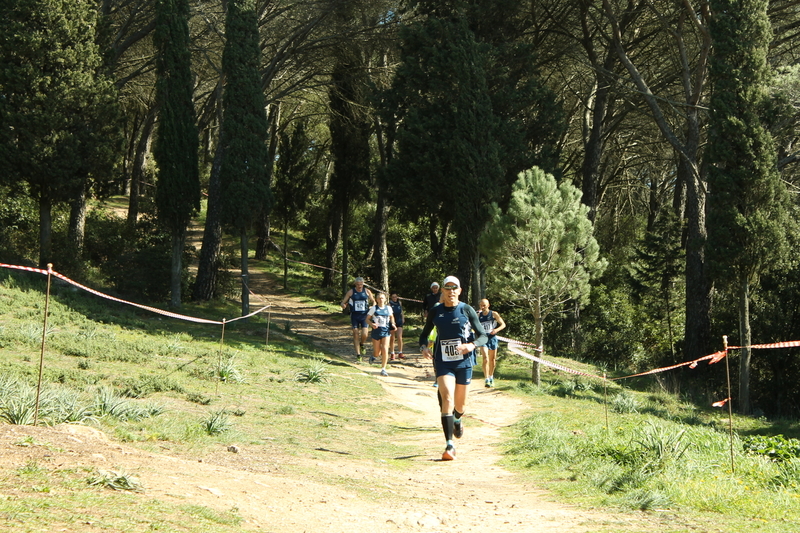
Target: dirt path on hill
{"points": [[471, 494]]}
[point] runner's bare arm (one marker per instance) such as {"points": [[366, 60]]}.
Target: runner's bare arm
{"points": [[501, 324], [346, 298]]}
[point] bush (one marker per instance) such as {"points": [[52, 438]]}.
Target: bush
{"points": [[136, 260], [777, 448]]}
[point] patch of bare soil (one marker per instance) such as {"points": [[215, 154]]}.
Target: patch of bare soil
{"points": [[471, 494]]}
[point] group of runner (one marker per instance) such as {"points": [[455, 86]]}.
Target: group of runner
{"points": [[384, 317], [459, 332]]}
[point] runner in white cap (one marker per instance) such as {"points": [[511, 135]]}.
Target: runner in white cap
{"points": [[453, 357]]}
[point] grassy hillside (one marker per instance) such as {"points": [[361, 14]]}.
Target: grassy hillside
{"points": [[167, 385]]}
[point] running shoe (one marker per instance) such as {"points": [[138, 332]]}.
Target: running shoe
{"points": [[371, 359], [488, 383], [384, 372], [458, 429], [449, 453], [491, 382], [401, 356]]}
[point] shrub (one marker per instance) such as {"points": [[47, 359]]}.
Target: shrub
{"points": [[777, 448]]}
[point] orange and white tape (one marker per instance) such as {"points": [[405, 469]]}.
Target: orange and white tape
{"points": [[120, 300]]}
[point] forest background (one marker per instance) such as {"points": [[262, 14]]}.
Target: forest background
{"points": [[389, 137]]}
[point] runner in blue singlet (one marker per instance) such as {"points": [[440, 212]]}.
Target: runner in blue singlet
{"points": [[359, 298], [381, 319], [453, 357], [492, 323]]}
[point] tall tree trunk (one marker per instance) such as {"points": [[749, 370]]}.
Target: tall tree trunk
{"points": [[746, 339], [285, 258], [333, 240], [263, 234], [476, 281], [698, 289], [379, 233], [138, 170], [536, 371], [595, 127], [245, 275], [176, 268], [77, 228], [345, 251], [207, 270], [437, 240], [45, 232], [263, 224]]}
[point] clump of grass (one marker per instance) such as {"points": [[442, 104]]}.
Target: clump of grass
{"points": [[200, 399], [115, 480], [56, 405], [227, 371], [145, 385], [19, 407], [314, 371], [624, 403], [109, 403], [216, 423], [31, 468]]}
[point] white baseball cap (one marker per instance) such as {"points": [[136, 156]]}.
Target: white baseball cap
{"points": [[434, 284], [453, 280]]}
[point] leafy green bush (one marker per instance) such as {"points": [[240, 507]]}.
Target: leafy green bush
{"points": [[777, 448], [136, 260]]}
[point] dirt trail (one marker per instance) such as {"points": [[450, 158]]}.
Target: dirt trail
{"points": [[471, 494]]}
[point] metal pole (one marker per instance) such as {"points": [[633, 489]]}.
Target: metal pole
{"points": [[44, 335], [730, 407]]}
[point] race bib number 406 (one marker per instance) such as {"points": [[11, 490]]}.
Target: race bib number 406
{"points": [[450, 351], [360, 305]]}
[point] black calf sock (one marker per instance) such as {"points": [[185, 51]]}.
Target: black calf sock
{"points": [[447, 426]]}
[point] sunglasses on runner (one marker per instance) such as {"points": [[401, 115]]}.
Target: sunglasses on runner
{"points": [[450, 287]]}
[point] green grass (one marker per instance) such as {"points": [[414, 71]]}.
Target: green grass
{"points": [[163, 384], [159, 383], [645, 450]]}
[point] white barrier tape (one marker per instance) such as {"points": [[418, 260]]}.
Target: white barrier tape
{"points": [[140, 306], [28, 269], [510, 341], [785, 344], [548, 363], [109, 297], [712, 358], [247, 316]]}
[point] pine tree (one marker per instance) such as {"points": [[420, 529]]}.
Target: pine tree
{"points": [[176, 148], [446, 163], [471, 113], [748, 218], [59, 118], [245, 188], [542, 248]]}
